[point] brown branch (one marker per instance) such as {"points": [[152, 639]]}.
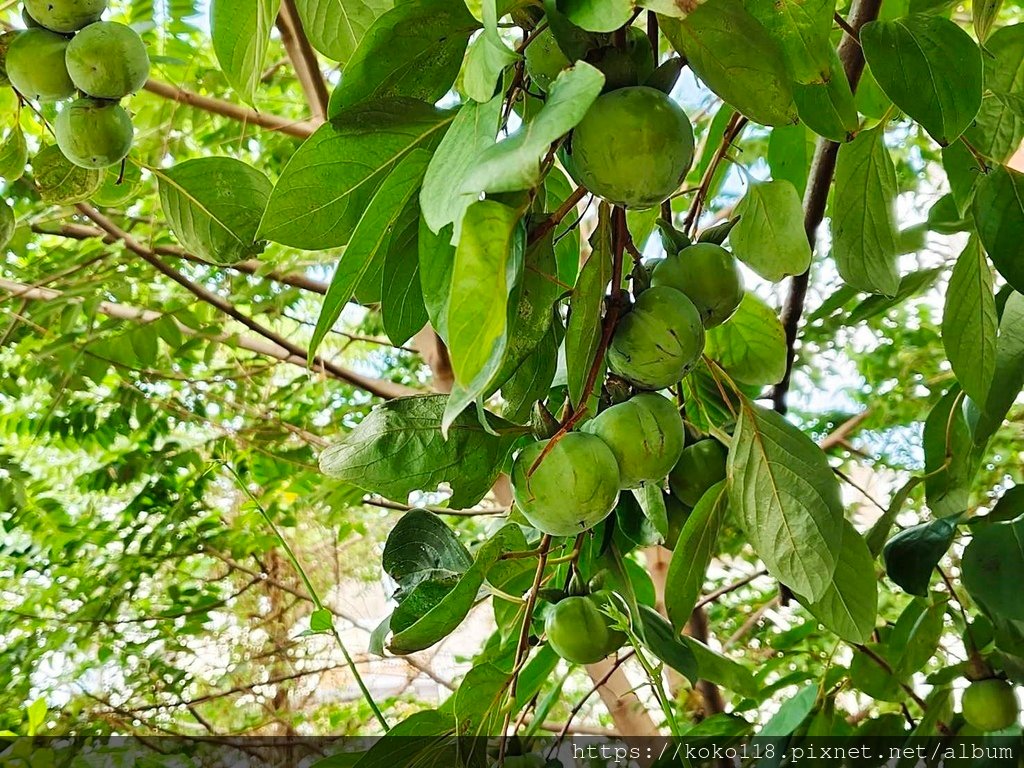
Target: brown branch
{"points": [[736, 124], [307, 67], [555, 218], [248, 267], [301, 129], [398, 507], [844, 430], [378, 387], [711, 597], [823, 167]]}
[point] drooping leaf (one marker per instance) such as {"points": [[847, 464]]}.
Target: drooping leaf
{"points": [[473, 130], [583, 332], [692, 555], [863, 215], [488, 262], [515, 163], [721, 670], [737, 58], [951, 457], [398, 448], [240, 30], [531, 381], [335, 27], [785, 495], [371, 235], [487, 58], [969, 322], [413, 50], [999, 216], [983, 13], [436, 258], [402, 307], [802, 28], [993, 566], [769, 237], [850, 605], [13, 154], [421, 547], [59, 181], [930, 68], [912, 554], [331, 178], [1008, 377], [597, 15], [999, 127], [214, 206], [790, 148], [750, 345], [828, 108], [664, 642]]}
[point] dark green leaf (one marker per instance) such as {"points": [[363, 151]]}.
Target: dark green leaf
{"points": [[790, 148], [13, 154], [787, 499], [584, 329], [999, 128], [951, 457], [421, 547], [402, 308], [664, 642], [398, 448], [930, 68], [993, 568], [1008, 378], [722, 670], [692, 555], [969, 322], [999, 216], [828, 108], [912, 554]]}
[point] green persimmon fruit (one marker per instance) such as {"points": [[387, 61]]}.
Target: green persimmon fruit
{"points": [[579, 632], [574, 487], [93, 133], [700, 466], [544, 60], [107, 60], [990, 705], [646, 435], [624, 68], [709, 275], [65, 15], [632, 148], [7, 224], [6, 38], [36, 68], [658, 341], [28, 21]]}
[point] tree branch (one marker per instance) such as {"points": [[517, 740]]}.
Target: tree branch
{"points": [[248, 267], [823, 168], [307, 67], [378, 387], [301, 129]]}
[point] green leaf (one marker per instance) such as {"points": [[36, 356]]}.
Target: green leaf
{"points": [[413, 50], [750, 345], [791, 714], [61, 182], [321, 621], [828, 108], [802, 29], [402, 307], [424, 738], [240, 30], [790, 148], [13, 155], [331, 178], [583, 333], [597, 15], [722, 670], [398, 448], [984, 13], [999, 127], [214, 205], [7, 224], [692, 555], [850, 605], [951, 457], [371, 235], [863, 215], [515, 163], [1009, 507], [999, 216], [969, 322], [912, 554], [737, 58], [787, 499], [769, 237], [1009, 372], [651, 501], [532, 380], [421, 547], [335, 27], [487, 58], [473, 130], [663, 641], [488, 260], [879, 532], [436, 258], [418, 626], [930, 68]]}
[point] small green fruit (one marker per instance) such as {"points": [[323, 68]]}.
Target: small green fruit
{"points": [[108, 60], [7, 224], [646, 435], [6, 39], [65, 15], [574, 488], [658, 341], [700, 466], [36, 68], [93, 133], [990, 705], [579, 632], [632, 148], [709, 275], [27, 19], [544, 60], [625, 68]]}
